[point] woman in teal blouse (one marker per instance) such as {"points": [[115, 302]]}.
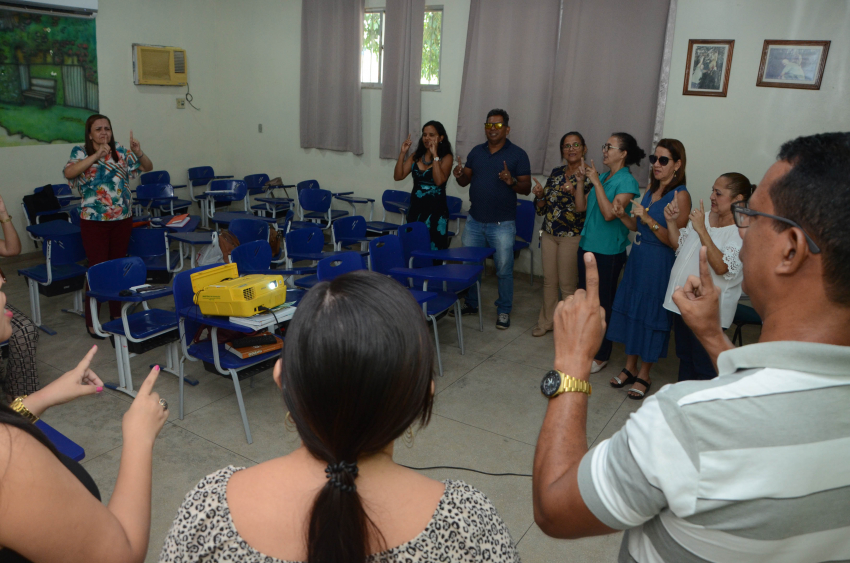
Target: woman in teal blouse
{"points": [[604, 234]]}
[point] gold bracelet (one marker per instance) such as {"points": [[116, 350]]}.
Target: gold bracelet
{"points": [[19, 407], [6, 220]]}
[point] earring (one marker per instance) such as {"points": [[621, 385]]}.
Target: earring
{"points": [[288, 423], [407, 437]]}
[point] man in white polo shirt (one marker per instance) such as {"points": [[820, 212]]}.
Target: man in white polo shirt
{"points": [[755, 464]]}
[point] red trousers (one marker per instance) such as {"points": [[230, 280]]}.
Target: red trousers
{"points": [[105, 240]]}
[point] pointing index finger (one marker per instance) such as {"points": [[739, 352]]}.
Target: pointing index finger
{"points": [[591, 278], [148, 383], [701, 206], [86, 361], [704, 271]]}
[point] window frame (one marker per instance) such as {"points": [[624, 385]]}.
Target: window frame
{"points": [[378, 85]]}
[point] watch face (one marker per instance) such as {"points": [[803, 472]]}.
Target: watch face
{"points": [[551, 382]]}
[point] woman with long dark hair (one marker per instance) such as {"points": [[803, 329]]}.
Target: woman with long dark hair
{"points": [[50, 507], [101, 171], [604, 234], [431, 164], [557, 203], [356, 373], [639, 319]]}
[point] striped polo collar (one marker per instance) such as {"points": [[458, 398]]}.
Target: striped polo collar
{"points": [[807, 357]]}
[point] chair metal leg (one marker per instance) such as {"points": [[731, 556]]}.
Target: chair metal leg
{"points": [[531, 265], [122, 358], [437, 343], [480, 307], [459, 326], [235, 378], [35, 307], [180, 385], [78, 305]]}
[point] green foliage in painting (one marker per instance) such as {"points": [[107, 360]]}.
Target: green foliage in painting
{"points": [[431, 40]]}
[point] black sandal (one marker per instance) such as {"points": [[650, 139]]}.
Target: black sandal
{"points": [[642, 393], [630, 378]]}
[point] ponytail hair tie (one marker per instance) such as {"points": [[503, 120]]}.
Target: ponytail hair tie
{"points": [[335, 471]]}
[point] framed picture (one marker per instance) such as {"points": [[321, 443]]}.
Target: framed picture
{"points": [[792, 64], [707, 70]]}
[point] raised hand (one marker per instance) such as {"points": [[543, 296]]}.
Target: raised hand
{"points": [[134, 145], [458, 170], [618, 210], [581, 174], [698, 218], [78, 382], [639, 211], [699, 300], [580, 322], [505, 175], [671, 211], [590, 171], [146, 415], [537, 190], [3, 212], [405, 146], [433, 149], [103, 152]]}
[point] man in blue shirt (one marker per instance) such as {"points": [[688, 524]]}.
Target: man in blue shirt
{"points": [[498, 171]]}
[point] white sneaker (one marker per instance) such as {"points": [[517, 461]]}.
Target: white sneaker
{"points": [[596, 367]]}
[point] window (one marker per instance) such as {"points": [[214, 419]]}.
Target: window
{"points": [[372, 55], [431, 41]]}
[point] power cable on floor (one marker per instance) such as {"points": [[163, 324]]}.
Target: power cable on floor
{"points": [[468, 469]]}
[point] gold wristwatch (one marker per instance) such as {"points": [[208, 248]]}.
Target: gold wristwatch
{"points": [[19, 407], [655, 226], [555, 382]]}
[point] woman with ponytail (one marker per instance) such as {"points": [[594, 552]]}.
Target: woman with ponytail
{"points": [[356, 373], [717, 232]]}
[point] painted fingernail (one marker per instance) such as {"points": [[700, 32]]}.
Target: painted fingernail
{"points": [[156, 368], [99, 389]]}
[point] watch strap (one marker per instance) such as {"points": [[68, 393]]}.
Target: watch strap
{"points": [[570, 384], [19, 407]]}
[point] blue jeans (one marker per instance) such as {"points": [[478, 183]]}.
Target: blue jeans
{"points": [[500, 236]]}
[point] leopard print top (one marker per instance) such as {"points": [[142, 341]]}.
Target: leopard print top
{"points": [[465, 527]]}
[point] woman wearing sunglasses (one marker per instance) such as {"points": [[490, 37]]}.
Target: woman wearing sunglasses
{"points": [[718, 233], [639, 319], [562, 225]]}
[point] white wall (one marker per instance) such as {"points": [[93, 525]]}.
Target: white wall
{"points": [[743, 131]]}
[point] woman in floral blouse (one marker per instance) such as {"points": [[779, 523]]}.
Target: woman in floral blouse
{"points": [[562, 226], [101, 171]]}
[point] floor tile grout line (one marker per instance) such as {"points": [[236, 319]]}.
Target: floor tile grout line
{"points": [[485, 430], [217, 444], [524, 534], [607, 423], [101, 454]]}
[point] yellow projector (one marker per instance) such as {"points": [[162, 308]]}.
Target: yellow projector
{"points": [[221, 292]]}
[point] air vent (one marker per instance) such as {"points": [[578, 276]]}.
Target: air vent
{"points": [[248, 294], [180, 62]]}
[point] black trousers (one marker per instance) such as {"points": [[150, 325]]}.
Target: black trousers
{"points": [[694, 361], [609, 266]]}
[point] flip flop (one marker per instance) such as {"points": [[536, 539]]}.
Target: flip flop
{"points": [[630, 378], [642, 393]]}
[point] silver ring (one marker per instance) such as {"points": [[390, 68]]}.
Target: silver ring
{"points": [[163, 403]]}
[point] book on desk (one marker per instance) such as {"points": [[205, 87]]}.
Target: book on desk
{"points": [[251, 351]]}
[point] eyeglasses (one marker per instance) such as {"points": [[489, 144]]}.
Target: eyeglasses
{"points": [[574, 145], [741, 213], [664, 160], [608, 146], [492, 125]]}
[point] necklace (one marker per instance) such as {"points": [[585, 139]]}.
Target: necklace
{"points": [[426, 162]]}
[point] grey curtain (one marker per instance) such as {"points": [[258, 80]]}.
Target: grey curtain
{"points": [[509, 64], [664, 78], [608, 68], [331, 39], [401, 93]]}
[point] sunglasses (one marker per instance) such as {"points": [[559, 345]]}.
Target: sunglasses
{"points": [[741, 213], [664, 160], [492, 125]]}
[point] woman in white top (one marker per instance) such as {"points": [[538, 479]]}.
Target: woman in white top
{"points": [[718, 233]]}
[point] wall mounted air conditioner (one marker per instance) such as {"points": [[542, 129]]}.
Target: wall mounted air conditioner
{"points": [[72, 8], [159, 66]]}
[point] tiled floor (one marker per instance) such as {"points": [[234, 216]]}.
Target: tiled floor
{"points": [[487, 415]]}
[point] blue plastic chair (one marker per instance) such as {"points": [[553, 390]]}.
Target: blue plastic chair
{"points": [[456, 213], [213, 354], [222, 193], [270, 205], [198, 177], [64, 444], [158, 198], [256, 258], [333, 266], [68, 204], [170, 204], [248, 230], [144, 330], [744, 315], [61, 273], [305, 244], [151, 245], [525, 215], [385, 256], [415, 236], [347, 231], [315, 207]]}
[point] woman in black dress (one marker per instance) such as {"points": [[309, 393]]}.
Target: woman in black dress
{"points": [[431, 165]]}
